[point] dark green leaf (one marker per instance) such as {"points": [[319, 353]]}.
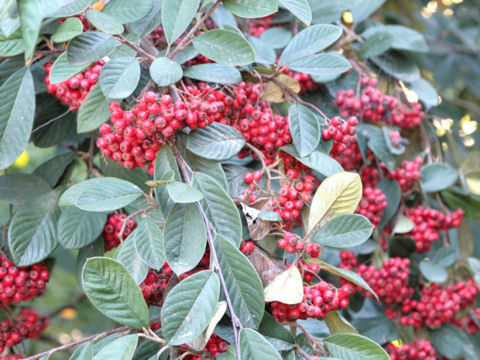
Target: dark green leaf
{"points": [[255, 347], [354, 347], [447, 339], [338, 325], [433, 272], [62, 70], [425, 91], [264, 53], [70, 28], [137, 176], [11, 45], [251, 8], [128, 256], [326, 11], [104, 22], [31, 19], [392, 191], [149, 243], [376, 44], [9, 66], [323, 67], [94, 110], [112, 290], [445, 256], [17, 107], [165, 163], [32, 235], [185, 237], [276, 37], [119, 77], [215, 142], [54, 169], [402, 38], [304, 127], [218, 73], [78, 228], [220, 208], [318, 161], [376, 142], [189, 307], [211, 167], [225, 47], [398, 66], [101, 194], [271, 328], [344, 231], [437, 177], [127, 11], [89, 47], [176, 16], [243, 283], [19, 188], [70, 7], [118, 349], [165, 71], [299, 8], [182, 193], [83, 352], [469, 203], [309, 41]]}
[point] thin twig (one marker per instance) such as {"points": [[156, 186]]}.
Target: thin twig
{"points": [[131, 216], [215, 262], [135, 47]]}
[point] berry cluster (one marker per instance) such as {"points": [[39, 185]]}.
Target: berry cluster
{"points": [[304, 80], [407, 174], [469, 323], [318, 300], [215, 345], [428, 224], [372, 205], [112, 229], [11, 357], [73, 92], [291, 243], [438, 304], [246, 247], [374, 106], [155, 283], [420, 349], [19, 284], [28, 325]]}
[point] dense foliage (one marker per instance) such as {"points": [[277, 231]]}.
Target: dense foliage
{"points": [[239, 179]]}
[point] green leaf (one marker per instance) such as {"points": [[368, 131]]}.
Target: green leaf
{"points": [[276, 37], [375, 140], [271, 328], [70, 7], [446, 342], [437, 177], [31, 19], [393, 194], [211, 167], [243, 283], [93, 111], [327, 11], [32, 234], [220, 208], [78, 228], [445, 256], [89, 47], [425, 91], [119, 77], [185, 237], [376, 44], [397, 65], [101, 194], [62, 70], [264, 53], [165, 71], [317, 160], [255, 347], [149, 243], [433, 272], [118, 349], [337, 324], [176, 16], [344, 231], [128, 11], [83, 352], [11, 45], [215, 142], [9, 66], [364, 9], [403, 225], [225, 47], [137, 176], [269, 216], [182, 193], [129, 257], [218, 73], [402, 38], [104, 22], [19, 188], [165, 163], [189, 307], [251, 8], [323, 67], [304, 128], [17, 106], [70, 28], [347, 274], [309, 41], [469, 203], [299, 8], [354, 347], [113, 291]]}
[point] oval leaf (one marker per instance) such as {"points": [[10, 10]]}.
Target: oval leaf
{"points": [[287, 287], [31, 20], [225, 47], [128, 11], [62, 70], [130, 259], [402, 38], [215, 142], [437, 177], [255, 347], [113, 291], [182, 193], [317, 160], [354, 347], [344, 231], [89, 47], [304, 128], [104, 23], [93, 111], [300, 8], [189, 307], [118, 349], [119, 77], [251, 8], [149, 244], [323, 67], [185, 237], [70, 28], [218, 73], [433, 272], [243, 283], [165, 71], [78, 228], [176, 16], [19, 188]]}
